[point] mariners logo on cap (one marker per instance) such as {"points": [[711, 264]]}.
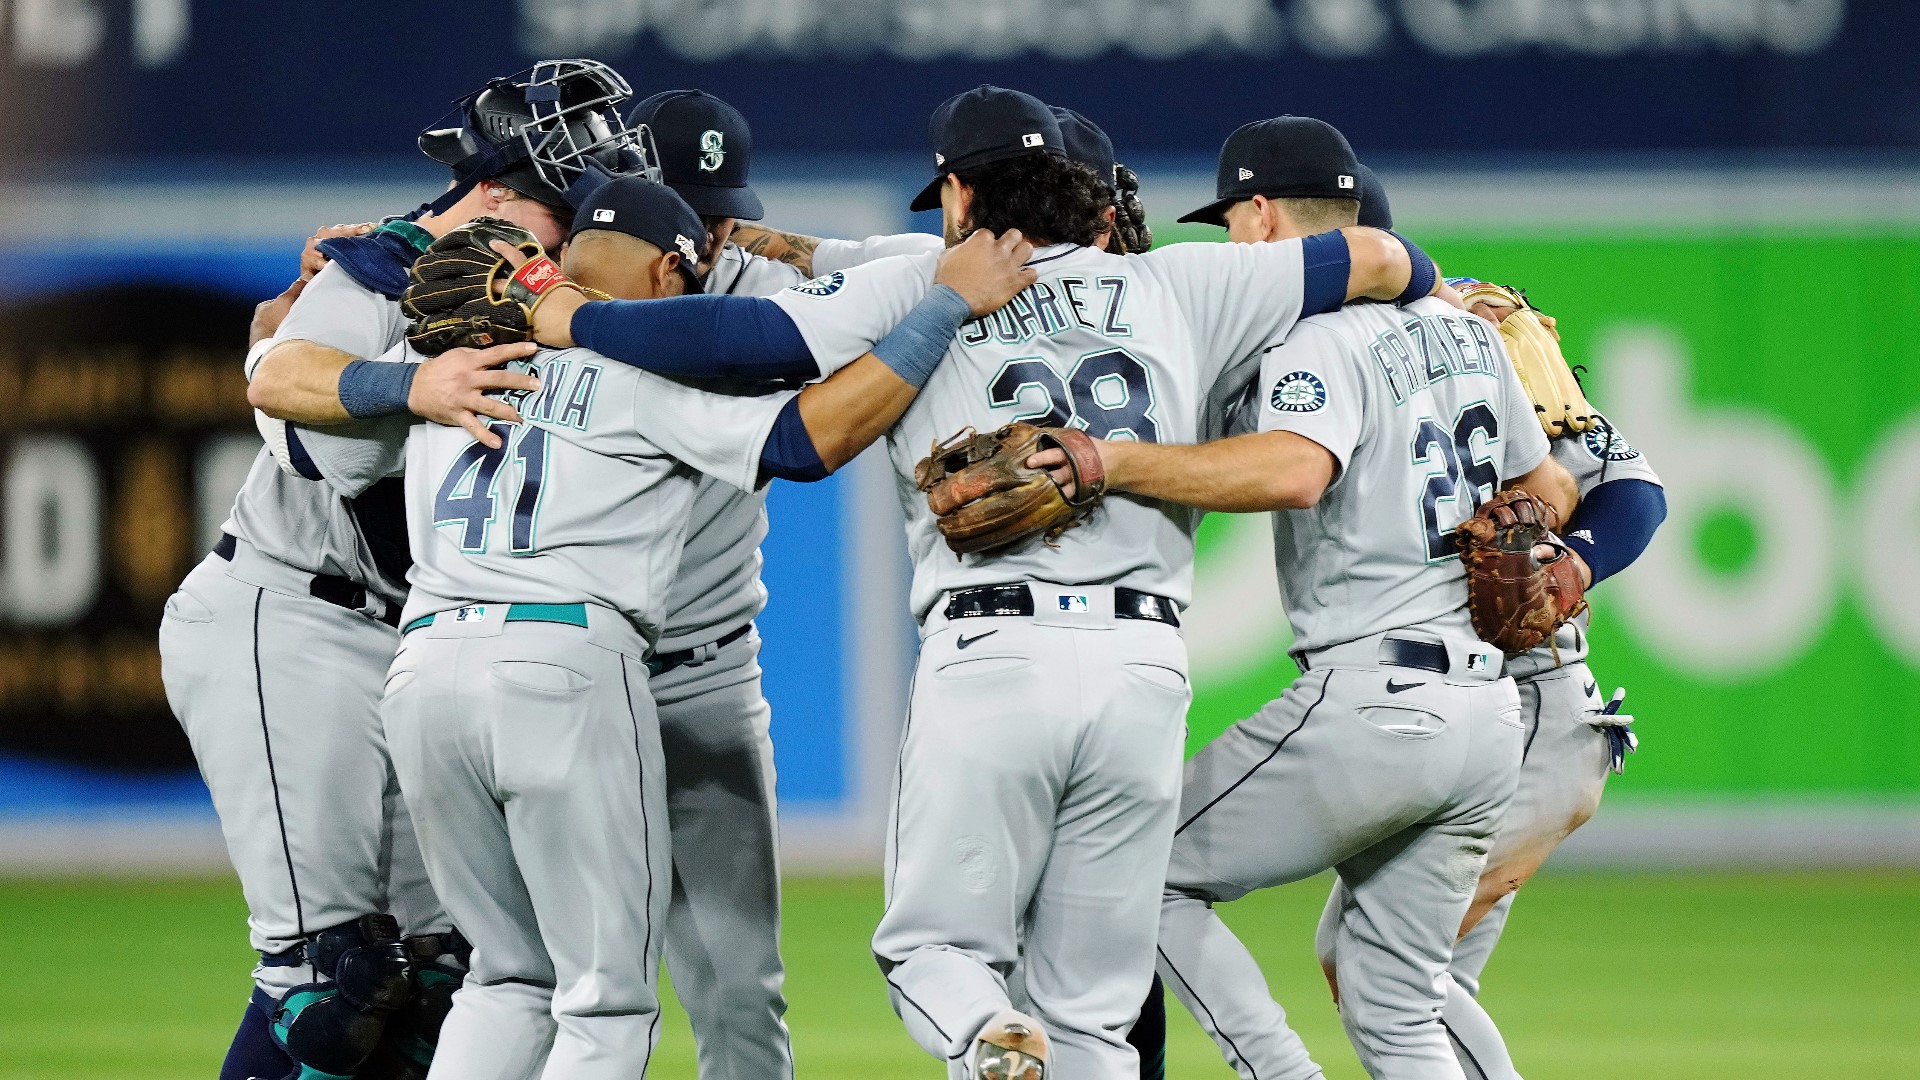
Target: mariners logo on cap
{"points": [[825, 285], [1246, 174], [712, 150], [1298, 392], [687, 250], [603, 215], [1607, 445]]}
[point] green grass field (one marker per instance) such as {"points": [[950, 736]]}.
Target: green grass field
{"points": [[1692, 976]]}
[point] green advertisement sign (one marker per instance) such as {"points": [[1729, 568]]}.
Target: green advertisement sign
{"points": [[1770, 637]]}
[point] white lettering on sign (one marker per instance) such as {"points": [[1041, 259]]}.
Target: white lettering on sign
{"points": [[69, 33], [985, 30], [50, 551]]}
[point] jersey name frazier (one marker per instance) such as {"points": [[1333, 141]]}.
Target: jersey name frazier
{"points": [[1424, 351]]}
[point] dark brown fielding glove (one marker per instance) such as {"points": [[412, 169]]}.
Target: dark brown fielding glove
{"points": [[985, 496], [465, 294], [1516, 600]]}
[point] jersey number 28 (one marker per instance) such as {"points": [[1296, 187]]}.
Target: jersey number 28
{"points": [[1461, 479], [466, 494], [1107, 394]]}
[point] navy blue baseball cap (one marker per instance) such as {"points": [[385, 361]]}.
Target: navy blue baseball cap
{"points": [[705, 151], [1086, 143], [649, 210], [1287, 157], [1375, 212], [985, 125]]}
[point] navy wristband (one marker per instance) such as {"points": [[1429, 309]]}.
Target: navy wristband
{"points": [[1425, 274], [370, 388], [916, 344]]}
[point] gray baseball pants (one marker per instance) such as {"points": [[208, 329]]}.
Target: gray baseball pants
{"points": [[530, 754], [1562, 777], [1037, 782], [279, 694], [1393, 776], [723, 924]]}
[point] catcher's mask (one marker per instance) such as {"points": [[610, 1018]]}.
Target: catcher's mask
{"points": [[552, 133]]}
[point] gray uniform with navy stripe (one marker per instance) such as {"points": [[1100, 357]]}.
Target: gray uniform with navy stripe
{"points": [[723, 926], [1038, 772], [519, 711], [1392, 757], [1562, 776], [274, 658]]}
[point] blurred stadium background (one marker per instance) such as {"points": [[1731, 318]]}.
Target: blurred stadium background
{"points": [[1719, 198]]}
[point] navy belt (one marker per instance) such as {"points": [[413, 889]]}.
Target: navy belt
{"points": [[1403, 652], [989, 600], [661, 663], [338, 591]]}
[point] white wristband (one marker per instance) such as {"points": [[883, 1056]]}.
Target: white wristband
{"points": [[258, 353]]}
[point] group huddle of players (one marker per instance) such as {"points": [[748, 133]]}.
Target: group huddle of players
{"points": [[472, 673]]}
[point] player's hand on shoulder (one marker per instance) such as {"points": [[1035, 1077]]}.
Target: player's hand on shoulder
{"points": [[269, 314], [987, 270], [311, 261], [451, 388]]}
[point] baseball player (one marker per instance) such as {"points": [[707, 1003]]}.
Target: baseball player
{"points": [[1392, 757], [1574, 739], [722, 931], [1038, 771], [522, 729], [275, 649], [723, 925]]}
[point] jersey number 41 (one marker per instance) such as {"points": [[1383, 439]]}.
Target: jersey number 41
{"points": [[466, 494]]}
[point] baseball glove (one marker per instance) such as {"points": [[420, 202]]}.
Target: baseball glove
{"points": [[1533, 344], [465, 294], [1131, 235], [1517, 600], [985, 497]]}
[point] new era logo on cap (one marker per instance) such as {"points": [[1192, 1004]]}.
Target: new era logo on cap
{"points": [[1246, 174], [939, 159], [1033, 138], [603, 215], [687, 250]]}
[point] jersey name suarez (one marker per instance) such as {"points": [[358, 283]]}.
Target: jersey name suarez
{"points": [[1425, 419], [1123, 347]]}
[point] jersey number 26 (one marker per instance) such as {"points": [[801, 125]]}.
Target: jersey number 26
{"points": [[1458, 469]]}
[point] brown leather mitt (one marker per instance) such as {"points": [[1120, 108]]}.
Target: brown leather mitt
{"points": [[985, 497], [1517, 600]]}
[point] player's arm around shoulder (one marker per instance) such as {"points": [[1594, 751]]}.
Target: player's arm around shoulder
{"points": [[853, 407]]}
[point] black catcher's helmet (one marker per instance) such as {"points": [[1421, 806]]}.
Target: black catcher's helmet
{"points": [[551, 133]]}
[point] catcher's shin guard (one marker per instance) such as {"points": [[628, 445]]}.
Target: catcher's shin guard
{"points": [[331, 1027]]}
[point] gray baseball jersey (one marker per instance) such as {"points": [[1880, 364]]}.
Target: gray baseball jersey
{"points": [[300, 522], [1120, 346], [718, 587], [1426, 418], [1593, 458], [588, 501], [831, 255]]}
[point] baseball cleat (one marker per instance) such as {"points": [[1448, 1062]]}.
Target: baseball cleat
{"points": [[1012, 1046]]}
